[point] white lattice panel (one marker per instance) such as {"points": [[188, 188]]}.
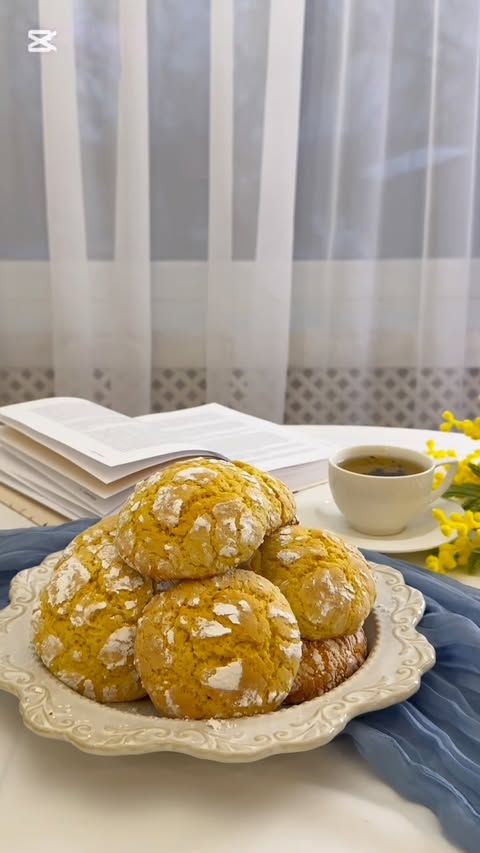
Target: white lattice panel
{"points": [[177, 388], [17, 384], [384, 396]]}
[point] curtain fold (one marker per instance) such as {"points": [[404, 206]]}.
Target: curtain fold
{"points": [[130, 285], [274, 205], [249, 308], [70, 286], [221, 320], [452, 119]]}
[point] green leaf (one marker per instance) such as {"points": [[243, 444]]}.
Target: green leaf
{"points": [[474, 468], [473, 565], [466, 490], [467, 494], [472, 504]]}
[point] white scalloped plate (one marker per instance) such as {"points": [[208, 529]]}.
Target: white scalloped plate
{"points": [[398, 656]]}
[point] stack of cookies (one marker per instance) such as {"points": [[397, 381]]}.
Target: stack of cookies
{"points": [[205, 594]]}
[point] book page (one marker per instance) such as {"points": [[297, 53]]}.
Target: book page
{"points": [[86, 433], [44, 495], [239, 436], [26, 449], [29, 478], [301, 477], [109, 445], [40, 476]]}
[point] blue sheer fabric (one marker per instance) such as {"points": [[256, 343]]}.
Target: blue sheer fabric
{"points": [[427, 748]]}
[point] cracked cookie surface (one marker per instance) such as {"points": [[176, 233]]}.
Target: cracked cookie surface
{"points": [[225, 647], [195, 519], [328, 582], [282, 500], [85, 624]]}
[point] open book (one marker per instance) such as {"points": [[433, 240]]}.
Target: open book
{"points": [[79, 458]]}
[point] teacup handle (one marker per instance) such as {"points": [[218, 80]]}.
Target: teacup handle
{"points": [[447, 482]]}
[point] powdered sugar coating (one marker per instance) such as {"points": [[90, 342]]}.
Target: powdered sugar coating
{"points": [[88, 689], [118, 648], [229, 656], [201, 523], [200, 518], [277, 500], [171, 705], [248, 533], [221, 608], [82, 639], [252, 698], [82, 614], [292, 650], [329, 586], [209, 628], [66, 581], [116, 578], [287, 557], [71, 679], [51, 648], [226, 677], [167, 507], [276, 612], [198, 473]]}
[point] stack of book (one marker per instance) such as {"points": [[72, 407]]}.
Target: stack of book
{"points": [[79, 458]]}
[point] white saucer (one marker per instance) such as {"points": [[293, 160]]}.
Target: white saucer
{"points": [[316, 508]]}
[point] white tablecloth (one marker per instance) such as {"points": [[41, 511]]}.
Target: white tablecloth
{"points": [[55, 799]]}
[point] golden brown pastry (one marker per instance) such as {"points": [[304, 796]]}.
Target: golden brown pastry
{"points": [[328, 583], [278, 494], [224, 647], [325, 664], [195, 519], [101, 532], [85, 624]]}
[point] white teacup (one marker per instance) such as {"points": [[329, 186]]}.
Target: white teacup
{"points": [[382, 504]]}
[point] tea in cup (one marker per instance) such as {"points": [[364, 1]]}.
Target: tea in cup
{"points": [[380, 489]]}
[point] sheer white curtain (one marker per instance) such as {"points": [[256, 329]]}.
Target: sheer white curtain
{"points": [[273, 205], [73, 299], [249, 304]]}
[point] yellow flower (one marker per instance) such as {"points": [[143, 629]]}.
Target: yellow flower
{"points": [[437, 453], [462, 528], [468, 427], [464, 473], [443, 563]]}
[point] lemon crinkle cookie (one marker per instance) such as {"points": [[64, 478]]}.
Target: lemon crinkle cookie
{"points": [[225, 647], [94, 537], [195, 519], [85, 624], [281, 499], [328, 583]]}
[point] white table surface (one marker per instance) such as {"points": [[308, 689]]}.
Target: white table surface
{"points": [[55, 799]]}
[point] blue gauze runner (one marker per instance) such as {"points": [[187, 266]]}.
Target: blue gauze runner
{"points": [[427, 748]]}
